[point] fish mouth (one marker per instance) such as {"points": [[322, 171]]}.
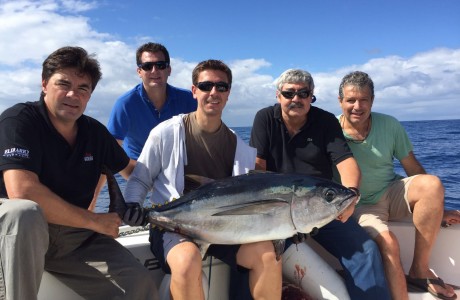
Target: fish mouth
{"points": [[341, 207]]}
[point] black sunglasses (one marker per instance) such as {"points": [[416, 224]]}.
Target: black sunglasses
{"points": [[148, 66], [206, 86], [302, 94]]}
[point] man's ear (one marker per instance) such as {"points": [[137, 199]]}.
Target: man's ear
{"points": [[44, 83], [193, 89], [278, 96]]}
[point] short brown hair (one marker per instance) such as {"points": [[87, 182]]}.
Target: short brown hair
{"points": [[211, 64], [72, 57]]}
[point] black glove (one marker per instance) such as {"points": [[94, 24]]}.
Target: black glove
{"points": [[299, 238], [135, 215]]}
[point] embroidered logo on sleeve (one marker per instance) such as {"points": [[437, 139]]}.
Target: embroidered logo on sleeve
{"points": [[16, 152]]}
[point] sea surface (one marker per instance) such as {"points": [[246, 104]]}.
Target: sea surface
{"points": [[436, 146]]}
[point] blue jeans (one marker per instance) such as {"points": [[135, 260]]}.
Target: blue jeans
{"points": [[359, 256]]}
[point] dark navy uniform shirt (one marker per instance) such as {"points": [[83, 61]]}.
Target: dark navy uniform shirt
{"points": [[29, 141], [314, 150]]}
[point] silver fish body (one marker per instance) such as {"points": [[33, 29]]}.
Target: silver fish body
{"points": [[253, 207]]}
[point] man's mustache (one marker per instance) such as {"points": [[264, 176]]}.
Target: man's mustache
{"points": [[295, 105]]}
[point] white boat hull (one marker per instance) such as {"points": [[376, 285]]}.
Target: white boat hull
{"points": [[308, 266]]}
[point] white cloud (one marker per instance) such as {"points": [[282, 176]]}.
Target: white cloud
{"points": [[424, 86]]}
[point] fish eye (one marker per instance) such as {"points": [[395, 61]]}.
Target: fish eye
{"points": [[329, 195]]}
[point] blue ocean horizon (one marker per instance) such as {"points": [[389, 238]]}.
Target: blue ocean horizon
{"points": [[436, 145]]}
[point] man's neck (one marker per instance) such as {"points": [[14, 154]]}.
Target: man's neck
{"points": [[354, 127], [208, 123], [157, 95], [67, 130], [293, 124], [358, 131]]}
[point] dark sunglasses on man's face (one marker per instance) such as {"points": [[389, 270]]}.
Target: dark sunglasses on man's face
{"points": [[302, 94], [206, 86], [159, 65]]}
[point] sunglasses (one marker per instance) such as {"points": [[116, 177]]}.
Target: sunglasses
{"points": [[148, 66], [206, 86], [302, 94]]}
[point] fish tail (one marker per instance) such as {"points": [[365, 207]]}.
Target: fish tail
{"points": [[117, 201]]}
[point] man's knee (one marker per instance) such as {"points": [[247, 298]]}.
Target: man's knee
{"points": [[257, 254], [430, 184], [185, 260], [25, 215]]}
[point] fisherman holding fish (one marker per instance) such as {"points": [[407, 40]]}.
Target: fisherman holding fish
{"points": [[295, 137], [376, 140], [53, 155], [198, 143]]}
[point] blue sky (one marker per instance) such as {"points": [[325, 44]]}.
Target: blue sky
{"points": [[410, 48]]}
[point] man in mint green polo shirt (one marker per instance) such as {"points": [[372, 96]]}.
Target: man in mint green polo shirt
{"points": [[375, 140]]}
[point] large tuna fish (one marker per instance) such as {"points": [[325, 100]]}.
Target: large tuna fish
{"points": [[250, 208]]}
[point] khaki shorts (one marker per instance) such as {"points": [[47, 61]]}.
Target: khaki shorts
{"points": [[393, 205]]}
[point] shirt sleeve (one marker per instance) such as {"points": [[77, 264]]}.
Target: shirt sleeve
{"points": [[116, 158], [20, 145], [402, 142], [119, 124], [337, 146], [147, 168], [259, 134]]}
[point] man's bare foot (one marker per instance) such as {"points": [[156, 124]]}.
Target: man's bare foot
{"points": [[431, 283]]}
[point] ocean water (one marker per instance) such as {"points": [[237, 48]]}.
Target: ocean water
{"points": [[436, 146]]}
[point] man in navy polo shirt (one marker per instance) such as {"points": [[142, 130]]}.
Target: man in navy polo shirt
{"points": [[294, 137], [53, 155]]}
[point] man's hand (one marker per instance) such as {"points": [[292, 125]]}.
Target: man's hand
{"points": [[134, 215], [107, 224]]}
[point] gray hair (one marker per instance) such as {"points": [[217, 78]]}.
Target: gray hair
{"points": [[295, 76], [358, 79]]}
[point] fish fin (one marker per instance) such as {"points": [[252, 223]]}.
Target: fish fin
{"points": [[279, 248], [192, 182], [117, 201], [203, 246], [266, 206]]}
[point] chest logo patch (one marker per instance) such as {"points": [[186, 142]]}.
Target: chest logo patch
{"points": [[16, 152], [88, 157]]}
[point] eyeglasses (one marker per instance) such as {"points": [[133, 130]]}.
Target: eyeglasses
{"points": [[206, 86], [302, 94], [148, 66]]}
